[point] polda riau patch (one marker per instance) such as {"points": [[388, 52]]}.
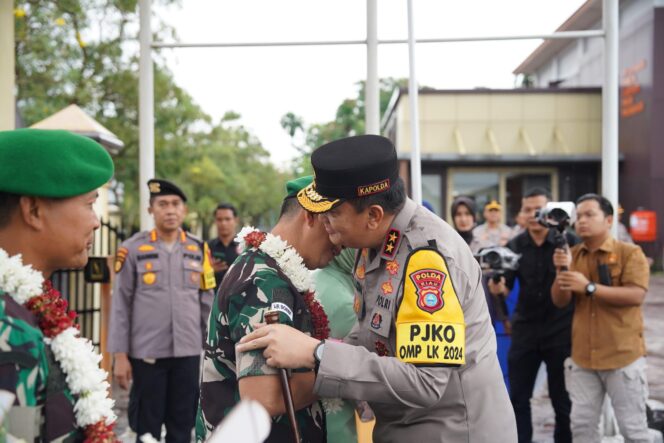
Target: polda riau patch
{"points": [[429, 287]]}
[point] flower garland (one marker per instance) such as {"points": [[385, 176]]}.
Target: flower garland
{"points": [[75, 354], [292, 265]]}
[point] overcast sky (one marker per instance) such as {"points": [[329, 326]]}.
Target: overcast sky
{"points": [[262, 84]]}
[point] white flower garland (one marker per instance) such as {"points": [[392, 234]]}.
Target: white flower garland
{"points": [[287, 258], [74, 354]]}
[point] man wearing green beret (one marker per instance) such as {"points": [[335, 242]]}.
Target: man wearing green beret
{"points": [[271, 274], [48, 186]]}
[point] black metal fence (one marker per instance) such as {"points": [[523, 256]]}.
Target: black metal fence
{"points": [[84, 297]]}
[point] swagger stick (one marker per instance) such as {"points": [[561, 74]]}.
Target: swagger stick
{"points": [[272, 317]]}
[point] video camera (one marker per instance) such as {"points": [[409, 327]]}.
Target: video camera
{"points": [[496, 260], [558, 216]]}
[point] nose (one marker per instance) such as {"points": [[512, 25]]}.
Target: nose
{"points": [[96, 224]]}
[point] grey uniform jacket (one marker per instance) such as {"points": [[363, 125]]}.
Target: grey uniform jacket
{"points": [[157, 308], [414, 403]]}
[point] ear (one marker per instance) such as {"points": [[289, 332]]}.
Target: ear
{"points": [[31, 211], [150, 209], [310, 218], [609, 220], [376, 214], [186, 209]]}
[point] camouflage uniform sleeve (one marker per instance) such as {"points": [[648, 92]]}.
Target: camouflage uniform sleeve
{"points": [[124, 287], [267, 292]]}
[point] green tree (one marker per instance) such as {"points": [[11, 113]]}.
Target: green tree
{"points": [[85, 52], [348, 121]]}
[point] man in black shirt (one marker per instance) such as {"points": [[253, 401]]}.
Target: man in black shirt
{"points": [[223, 248], [541, 332]]}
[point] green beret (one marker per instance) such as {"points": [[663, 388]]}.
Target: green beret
{"points": [[294, 186], [48, 163]]}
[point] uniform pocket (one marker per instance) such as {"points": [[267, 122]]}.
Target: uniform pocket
{"points": [[150, 274], [192, 274]]}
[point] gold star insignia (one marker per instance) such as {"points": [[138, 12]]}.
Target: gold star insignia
{"points": [[389, 248], [393, 237]]}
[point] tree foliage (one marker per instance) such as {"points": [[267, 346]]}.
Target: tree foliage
{"points": [[86, 52], [349, 120]]}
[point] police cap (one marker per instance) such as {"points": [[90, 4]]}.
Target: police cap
{"points": [[350, 168], [160, 187]]}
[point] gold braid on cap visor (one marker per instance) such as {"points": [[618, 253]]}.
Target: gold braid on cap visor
{"points": [[312, 201]]}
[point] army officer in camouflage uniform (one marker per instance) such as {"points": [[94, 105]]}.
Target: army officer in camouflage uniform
{"points": [[424, 352], [161, 300], [254, 284], [48, 185]]}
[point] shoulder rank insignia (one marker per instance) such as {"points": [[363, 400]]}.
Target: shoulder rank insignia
{"points": [[120, 258], [391, 244], [431, 330]]}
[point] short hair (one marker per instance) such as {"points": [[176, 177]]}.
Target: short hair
{"points": [[391, 200], [8, 204], [603, 202], [537, 192], [289, 207], [225, 206]]}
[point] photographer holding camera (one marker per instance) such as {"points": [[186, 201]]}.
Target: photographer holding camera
{"points": [[540, 330], [608, 279]]}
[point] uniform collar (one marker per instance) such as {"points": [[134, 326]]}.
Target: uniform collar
{"points": [[607, 246], [154, 236]]}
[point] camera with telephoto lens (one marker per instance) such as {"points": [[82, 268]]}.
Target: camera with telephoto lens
{"points": [[496, 260]]}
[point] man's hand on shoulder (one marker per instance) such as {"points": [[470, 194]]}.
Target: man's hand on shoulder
{"points": [[284, 346]]}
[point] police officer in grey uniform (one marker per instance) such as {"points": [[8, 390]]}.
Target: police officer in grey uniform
{"points": [[423, 353], [161, 301]]}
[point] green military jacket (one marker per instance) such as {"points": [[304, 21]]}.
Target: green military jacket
{"points": [[253, 285], [44, 406]]}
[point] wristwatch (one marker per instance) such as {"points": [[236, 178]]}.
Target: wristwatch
{"points": [[590, 289], [318, 354]]}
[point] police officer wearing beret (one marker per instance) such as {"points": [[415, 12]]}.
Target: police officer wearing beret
{"points": [[423, 353], [162, 295], [48, 186]]}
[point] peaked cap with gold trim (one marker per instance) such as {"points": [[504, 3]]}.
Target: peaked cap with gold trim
{"points": [[349, 168]]}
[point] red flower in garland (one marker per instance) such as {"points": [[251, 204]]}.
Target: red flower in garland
{"points": [[321, 324], [381, 349], [255, 238], [51, 310], [100, 432]]}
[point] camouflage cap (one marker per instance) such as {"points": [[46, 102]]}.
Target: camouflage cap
{"points": [[51, 163]]}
